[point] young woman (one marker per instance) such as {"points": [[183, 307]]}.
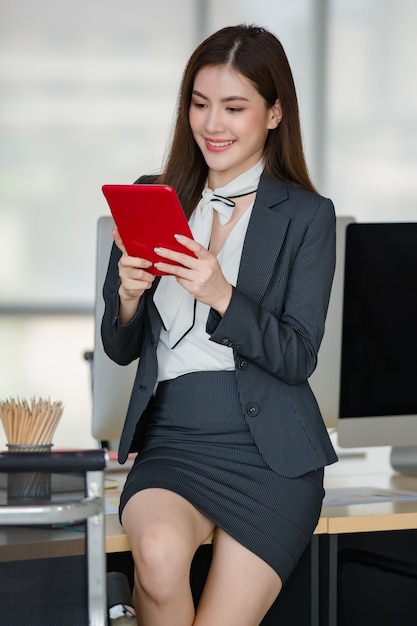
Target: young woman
{"points": [[229, 436]]}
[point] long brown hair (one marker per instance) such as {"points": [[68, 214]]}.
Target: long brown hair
{"points": [[259, 56]]}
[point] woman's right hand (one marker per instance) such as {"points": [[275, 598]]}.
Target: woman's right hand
{"points": [[134, 280]]}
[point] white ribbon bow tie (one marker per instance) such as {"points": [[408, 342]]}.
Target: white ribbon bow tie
{"points": [[223, 206]]}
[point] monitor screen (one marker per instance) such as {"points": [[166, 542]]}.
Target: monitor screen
{"points": [[378, 382], [112, 383]]}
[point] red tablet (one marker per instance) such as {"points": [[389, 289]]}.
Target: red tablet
{"points": [[147, 216]]}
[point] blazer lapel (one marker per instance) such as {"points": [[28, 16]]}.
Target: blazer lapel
{"points": [[264, 238]]}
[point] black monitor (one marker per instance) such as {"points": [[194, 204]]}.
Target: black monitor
{"points": [[378, 381]]}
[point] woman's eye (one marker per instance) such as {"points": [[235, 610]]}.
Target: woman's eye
{"points": [[234, 109], [198, 105]]}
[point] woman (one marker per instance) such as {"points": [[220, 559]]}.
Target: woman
{"points": [[229, 437]]}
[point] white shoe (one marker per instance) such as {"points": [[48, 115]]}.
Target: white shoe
{"points": [[121, 615]]}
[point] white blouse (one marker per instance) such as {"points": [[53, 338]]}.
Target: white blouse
{"points": [[195, 352]]}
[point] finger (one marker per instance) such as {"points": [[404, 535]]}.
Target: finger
{"points": [[173, 261], [184, 258], [134, 288], [133, 262], [135, 281], [174, 270], [191, 245]]}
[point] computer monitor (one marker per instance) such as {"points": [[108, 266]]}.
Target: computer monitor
{"points": [[378, 383], [112, 383]]}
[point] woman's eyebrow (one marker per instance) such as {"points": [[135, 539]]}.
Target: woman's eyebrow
{"points": [[227, 99]]}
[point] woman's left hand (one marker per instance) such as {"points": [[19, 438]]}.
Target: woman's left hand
{"points": [[200, 275]]}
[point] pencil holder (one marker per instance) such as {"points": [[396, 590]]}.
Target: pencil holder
{"points": [[29, 428], [29, 486]]}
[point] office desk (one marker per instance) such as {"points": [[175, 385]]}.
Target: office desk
{"points": [[372, 470], [371, 526]]}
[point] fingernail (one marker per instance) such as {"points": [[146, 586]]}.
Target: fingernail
{"points": [[178, 237], [157, 265], [157, 250]]}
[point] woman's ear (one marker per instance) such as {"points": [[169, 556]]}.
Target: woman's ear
{"points": [[275, 115]]}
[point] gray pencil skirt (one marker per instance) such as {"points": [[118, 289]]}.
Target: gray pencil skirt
{"points": [[198, 444]]}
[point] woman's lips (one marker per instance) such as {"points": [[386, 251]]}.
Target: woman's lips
{"points": [[217, 145]]}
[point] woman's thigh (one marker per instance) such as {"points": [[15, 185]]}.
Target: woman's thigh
{"points": [[240, 587]]}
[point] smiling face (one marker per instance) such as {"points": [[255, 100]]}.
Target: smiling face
{"points": [[230, 122]]}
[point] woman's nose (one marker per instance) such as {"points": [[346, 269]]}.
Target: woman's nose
{"points": [[215, 121]]}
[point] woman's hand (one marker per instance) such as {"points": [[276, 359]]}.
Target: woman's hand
{"points": [[134, 280], [200, 275]]}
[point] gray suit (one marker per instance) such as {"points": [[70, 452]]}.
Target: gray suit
{"points": [[274, 323]]}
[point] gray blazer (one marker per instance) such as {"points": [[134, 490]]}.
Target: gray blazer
{"points": [[274, 324]]}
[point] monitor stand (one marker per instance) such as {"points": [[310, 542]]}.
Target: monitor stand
{"points": [[404, 459]]}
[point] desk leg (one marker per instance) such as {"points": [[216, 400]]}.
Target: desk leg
{"points": [[328, 580], [315, 580]]}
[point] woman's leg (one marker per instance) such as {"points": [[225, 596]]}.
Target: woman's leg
{"points": [[240, 587], [164, 532]]}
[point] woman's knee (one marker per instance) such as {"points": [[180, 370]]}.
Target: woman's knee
{"points": [[162, 560]]}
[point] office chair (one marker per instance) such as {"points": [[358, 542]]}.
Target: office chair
{"points": [[27, 601]]}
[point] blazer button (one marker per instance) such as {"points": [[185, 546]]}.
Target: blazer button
{"points": [[243, 364], [226, 342], [252, 409]]}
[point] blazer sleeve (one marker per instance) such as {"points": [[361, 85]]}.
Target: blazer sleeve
{"points": [[121, 342], [282, 333]]}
